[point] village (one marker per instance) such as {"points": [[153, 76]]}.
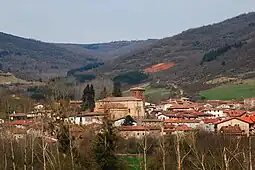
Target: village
{"points": [[135, 118]]}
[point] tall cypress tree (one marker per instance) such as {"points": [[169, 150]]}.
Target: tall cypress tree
{"points": [[88, 98], [85, 98], [116, 89], [91, 98]]}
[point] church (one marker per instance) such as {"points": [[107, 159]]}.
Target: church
{"points": [[119, 107]]}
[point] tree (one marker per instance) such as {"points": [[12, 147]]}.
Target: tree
{"points": [[116, 89], [91, 98], [88, 98], [63, 139], [103, 93], [104, 147], [129, 121]]}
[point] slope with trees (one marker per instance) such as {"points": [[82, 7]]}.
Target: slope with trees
{"points": [[199, 54]]}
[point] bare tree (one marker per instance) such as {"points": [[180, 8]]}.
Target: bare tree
{"points": [[25, 152], [250, 152], [12, 154], [4, 151], [145, 147], [180, 157], [163, 148]]}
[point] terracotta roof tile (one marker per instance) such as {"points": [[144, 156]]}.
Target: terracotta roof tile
{"points": [[181, 121], [212, 120], [231, 129], [244, 119], [120, 99], [183, 128], [19, 122], [133, 128]]}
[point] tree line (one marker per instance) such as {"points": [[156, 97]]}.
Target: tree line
{"points": [[106, 149]]}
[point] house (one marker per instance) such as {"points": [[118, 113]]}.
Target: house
{"points": [[208, 124], [176, 129], [235, 113], [18, 116], [119, 122], [151, 122], [133, 131], [75, 103], [163, 116], [231, 130], [84, 118], [138, 131], [193, 123], [215, 112], [244, 123], [18, 123]]}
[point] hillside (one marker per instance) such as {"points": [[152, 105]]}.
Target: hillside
{"points": [[33, 60], [198, 55], [108, 51]]}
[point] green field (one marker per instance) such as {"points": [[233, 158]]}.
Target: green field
{"points": [[229, 92], [153, 94]]}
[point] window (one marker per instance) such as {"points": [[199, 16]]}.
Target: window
{"points": [[138, 134], [128, 110]]}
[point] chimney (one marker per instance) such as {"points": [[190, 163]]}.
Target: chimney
{"points": [[138, 92]]}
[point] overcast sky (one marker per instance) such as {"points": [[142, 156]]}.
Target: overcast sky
{"points": [[88, 21]]}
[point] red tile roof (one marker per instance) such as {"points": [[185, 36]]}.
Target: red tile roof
{"points": [[19, 122], [181, 121], [243, 119], [120, 99], [212, 120], [231, 129], [183, 128], [133, 128], [235, 113]]}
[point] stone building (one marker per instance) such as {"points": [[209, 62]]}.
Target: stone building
{"points": [[118, 107]]}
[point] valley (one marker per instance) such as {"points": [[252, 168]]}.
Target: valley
{"points": [[189, 60]]}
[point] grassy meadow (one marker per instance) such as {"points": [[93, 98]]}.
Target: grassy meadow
{"points": [[230, 91]]}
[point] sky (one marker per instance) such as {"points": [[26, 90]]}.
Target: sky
{"points": [[91, 21]]}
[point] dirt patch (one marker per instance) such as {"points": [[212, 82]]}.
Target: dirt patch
{"points": [[158, 67]]}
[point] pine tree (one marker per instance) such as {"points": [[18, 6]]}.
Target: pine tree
{"points": [[104, 147], [103, 94], [116, 89]]}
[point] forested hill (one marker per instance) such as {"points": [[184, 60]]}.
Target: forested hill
{"points": [[32, 60], [198, 55]]}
